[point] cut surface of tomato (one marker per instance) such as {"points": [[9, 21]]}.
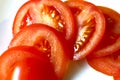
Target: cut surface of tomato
{"points": [[13, 55], [32, 69], [91, 26], [110, 42], [53, 13], [47, 40], [109, 64]]}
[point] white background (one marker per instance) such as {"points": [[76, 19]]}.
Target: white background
{"points": [[79, 70]]}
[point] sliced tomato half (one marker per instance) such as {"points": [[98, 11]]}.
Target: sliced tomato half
{"points": [[13, 56], [110, 42], [53, 13], [47, 40], [91, 27], [109, 64]]}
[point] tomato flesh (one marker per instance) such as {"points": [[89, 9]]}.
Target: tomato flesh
{"points": [[91, 26], [26, 21], [47, 40]]}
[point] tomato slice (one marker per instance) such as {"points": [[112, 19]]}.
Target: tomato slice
{"points": [[91, 27], [32, 69], [53, 13], [110, 42], [109, 64], [47, 40], [13, 55]]}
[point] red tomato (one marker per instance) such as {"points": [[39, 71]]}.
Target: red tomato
{"points": [[47, 40], [32, 69], [110, 42], [10, 59], [53, 13], [91, 27], [116, 78], [109, 64]]}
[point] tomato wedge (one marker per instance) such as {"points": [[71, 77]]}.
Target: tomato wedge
{"points": [[47, 40], [110, 42], [53, 13], [14, 55], [109, 64], [32, 69], [91, 27]]}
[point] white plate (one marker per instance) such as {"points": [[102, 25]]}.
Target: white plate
{"points": [[80, 70]]}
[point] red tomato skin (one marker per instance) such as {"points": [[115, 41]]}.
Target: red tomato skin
{"points": [[32, 69], [16, 54], [60, 52], [86, 11], [116, 77]]}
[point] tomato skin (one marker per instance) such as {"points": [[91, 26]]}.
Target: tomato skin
{"points": [[110, 42], [16, 54], [60, 52], [116, 78], [40, 11], [32, 69], [109, 65], [90, 24]]}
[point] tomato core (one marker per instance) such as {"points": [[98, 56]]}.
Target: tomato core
{"points": [[85, 34], [50, 13], [43, 45]]}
